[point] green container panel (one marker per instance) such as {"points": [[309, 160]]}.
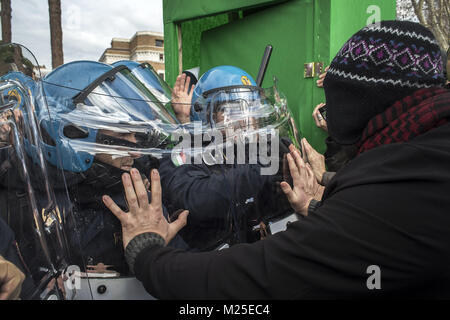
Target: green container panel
{"points": [[242, 43]]}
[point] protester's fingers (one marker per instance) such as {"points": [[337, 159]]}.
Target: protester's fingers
{"points": [[316, 109], [287, 190], [303, 175], [309, 170], [298, 159], [114, 208], [294, 170], [130, 194], [310, 151], [286, 187], [324, 73], [301, 165], [292, 148], [156, 189], [316, 118], [313, 179], [308, 147], [139, 187], [178, 224], [310, 175], [304, 151]]}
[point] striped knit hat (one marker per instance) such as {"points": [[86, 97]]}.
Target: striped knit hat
{"points": [[380, 64]]}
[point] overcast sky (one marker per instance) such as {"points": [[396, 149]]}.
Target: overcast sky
{"points": [[88, 25]]}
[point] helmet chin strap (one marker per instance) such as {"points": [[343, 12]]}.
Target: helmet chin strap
{"points": [[103, 177], [107, 139]]}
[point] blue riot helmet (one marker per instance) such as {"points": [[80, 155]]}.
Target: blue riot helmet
{"points": [[148, 76], [60, 86], [212, 81], [102, 114], [26, 80]]}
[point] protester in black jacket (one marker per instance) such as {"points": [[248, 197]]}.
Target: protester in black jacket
{"points": [[383, 227]]}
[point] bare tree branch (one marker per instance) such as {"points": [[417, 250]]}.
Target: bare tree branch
{"points": [[418, 10], [435, 15]]}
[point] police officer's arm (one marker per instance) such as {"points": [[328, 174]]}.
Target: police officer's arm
{"points": [[208, 194]]}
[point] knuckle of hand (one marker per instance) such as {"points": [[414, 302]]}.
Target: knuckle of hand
{"points": [[156, 207]]}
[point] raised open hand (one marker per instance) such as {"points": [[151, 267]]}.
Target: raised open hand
{"points": [[305, 184], [143, 216], [181, 98]]}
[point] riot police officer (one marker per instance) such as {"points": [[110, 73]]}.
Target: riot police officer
{"points": [[225, 198]]}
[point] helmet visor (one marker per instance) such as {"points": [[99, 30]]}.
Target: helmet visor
{"points": [[117, 114], [152, 81], [242, 112]]}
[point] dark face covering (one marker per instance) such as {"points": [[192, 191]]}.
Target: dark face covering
{"points": [[338, 155]]}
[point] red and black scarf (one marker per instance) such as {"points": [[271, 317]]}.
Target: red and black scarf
{"points": [[406, 119]]}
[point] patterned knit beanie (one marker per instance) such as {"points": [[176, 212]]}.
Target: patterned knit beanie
{"points": [[380, 64]]}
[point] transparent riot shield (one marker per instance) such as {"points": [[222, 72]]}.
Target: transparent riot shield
{"points": [[28, 206]]}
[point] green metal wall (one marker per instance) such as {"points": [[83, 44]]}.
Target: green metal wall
{"points": [[242, 44], [348, 16], [191, 33], [195, 16]]}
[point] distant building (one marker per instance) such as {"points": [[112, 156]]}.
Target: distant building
{"points": [[144, 46], [42, 70]]}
